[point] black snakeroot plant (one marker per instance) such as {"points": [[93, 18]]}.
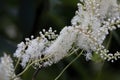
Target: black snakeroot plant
{"points": [[92, 22]]}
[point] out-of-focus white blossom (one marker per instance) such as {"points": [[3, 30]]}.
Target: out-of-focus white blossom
{"points": [[7, 69]]}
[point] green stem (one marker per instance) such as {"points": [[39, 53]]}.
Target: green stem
{"points": [[32, 64], [17, 63], [24, 70], [72, 52], [68, 66], [40, 60]]}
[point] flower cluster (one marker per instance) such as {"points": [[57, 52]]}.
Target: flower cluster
{"points": [[7, 69], [46, 49], [90, 26], [60, 48], [92, 22], [34, 49], [94, 19]]}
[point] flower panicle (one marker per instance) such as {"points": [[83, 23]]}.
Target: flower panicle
{"points": [[92, 22], [7, 71], [33, 48]]}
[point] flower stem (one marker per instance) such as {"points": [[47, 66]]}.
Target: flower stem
{"points": [[17, 63], [68, 66], [72, 52], [30, 64]]}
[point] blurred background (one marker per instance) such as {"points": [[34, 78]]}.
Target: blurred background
{"points": [[22, 18]]}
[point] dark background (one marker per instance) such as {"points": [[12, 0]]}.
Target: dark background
{"points": [[22, 18]]}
